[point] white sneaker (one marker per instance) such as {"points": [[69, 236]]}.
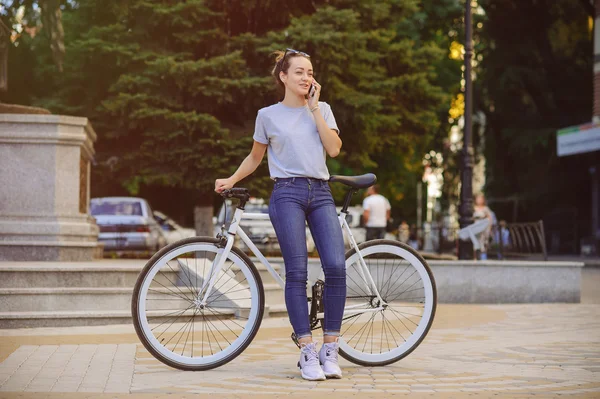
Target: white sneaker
{"points": [[309, 363], [328, 356]]}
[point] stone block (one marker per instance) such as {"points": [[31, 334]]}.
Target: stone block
{"points": [[44, 172]]}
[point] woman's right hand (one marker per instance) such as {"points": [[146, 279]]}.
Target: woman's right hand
{"points": [[223, 184]]}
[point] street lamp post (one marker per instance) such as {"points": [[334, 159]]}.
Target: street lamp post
{"points": [[465, 249]]}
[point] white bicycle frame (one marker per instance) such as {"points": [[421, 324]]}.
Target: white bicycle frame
{"points": [[235, 229]]}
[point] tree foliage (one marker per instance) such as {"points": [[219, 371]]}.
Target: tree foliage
{"points": [[173, 88], [535, 78]]}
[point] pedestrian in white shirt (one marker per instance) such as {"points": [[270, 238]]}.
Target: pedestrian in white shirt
{"points": [[377, 211]]}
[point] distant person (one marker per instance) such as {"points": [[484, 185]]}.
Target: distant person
{"points": [[413, 237], [403, 232], [502, 238], [481, 211], [377, 211]]}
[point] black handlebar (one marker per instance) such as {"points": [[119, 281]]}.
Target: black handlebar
{"points": [[243, 194], [235, 193]]}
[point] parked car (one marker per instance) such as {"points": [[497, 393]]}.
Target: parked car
{"points": [[171, 230], [126, 223], [261, 232]]}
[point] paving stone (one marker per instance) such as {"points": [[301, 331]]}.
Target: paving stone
{"points": [[525, 350]]}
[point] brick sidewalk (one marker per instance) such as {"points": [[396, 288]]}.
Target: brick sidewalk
{"points": [[485, 351]]}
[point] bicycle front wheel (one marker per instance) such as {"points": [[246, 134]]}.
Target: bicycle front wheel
{"points": [[173, 324], [375, 333]]}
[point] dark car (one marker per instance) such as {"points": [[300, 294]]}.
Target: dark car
{"points": [[126, 223]]}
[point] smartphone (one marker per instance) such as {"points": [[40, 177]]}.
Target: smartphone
{"points": [[311, 90]]}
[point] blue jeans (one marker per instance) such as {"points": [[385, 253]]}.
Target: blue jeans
{"points": [[295, 201]]}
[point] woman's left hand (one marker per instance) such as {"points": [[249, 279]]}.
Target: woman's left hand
{"points": [[313, 100]]}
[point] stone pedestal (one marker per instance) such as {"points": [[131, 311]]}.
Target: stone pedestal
{"points": [[44, 188]]}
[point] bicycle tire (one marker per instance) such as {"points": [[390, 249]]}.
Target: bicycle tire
{"points": [[420, 266], [141, 296]]}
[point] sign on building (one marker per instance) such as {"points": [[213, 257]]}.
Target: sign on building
{"points": [[578, 139]]}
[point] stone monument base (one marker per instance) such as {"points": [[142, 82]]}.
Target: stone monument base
{"points": [[31, 238], [44, 194]]}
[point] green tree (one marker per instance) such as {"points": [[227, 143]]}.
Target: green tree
{"points": [[535, 78], [173, 88], [46, 13], [380, 81]]}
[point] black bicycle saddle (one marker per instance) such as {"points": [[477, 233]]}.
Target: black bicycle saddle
{"points": [[362, 181]]}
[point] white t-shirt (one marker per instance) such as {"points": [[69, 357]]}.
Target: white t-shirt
{"points": [[377, 205], [295, 146]]}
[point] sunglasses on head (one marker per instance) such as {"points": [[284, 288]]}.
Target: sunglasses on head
{"points": [[292, 51]]}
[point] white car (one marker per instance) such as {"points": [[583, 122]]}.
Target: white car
{"points": [[260, 232], [172, 231], [126, 223]]}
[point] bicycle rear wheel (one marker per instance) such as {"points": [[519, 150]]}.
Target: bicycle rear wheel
{"points": [[172, 323], [373, 334]]}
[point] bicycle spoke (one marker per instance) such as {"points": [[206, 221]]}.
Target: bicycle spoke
{"points": [[188, 334], [395, 329], [184, 297], [184, 268], [405, 290], [380, 337], [228, 291], [193, 331], [392, 335], [358, 332], [401, 321], [210, 276], [213, 335], [389, 285], [226, 300], [416, 289], [412, 274], [202, 338], [223, 273], [165, 322], [231, 320], [371, 329], [358, 268], [183, 333], [403, 315], [167, 343], [219, 331], [196, 255], [414, 297], [173, 311], [366, 325], [173, 284]]}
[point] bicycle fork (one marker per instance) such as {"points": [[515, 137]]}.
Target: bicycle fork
{"points": [[213, 275], [220, 258]]}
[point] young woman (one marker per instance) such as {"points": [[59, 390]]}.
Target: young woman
{"points": [[298, 133]]}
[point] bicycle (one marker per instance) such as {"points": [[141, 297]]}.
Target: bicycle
{"points": [[208, 288]]}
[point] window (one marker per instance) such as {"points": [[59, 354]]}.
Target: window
{"points": [[115, 207]]}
